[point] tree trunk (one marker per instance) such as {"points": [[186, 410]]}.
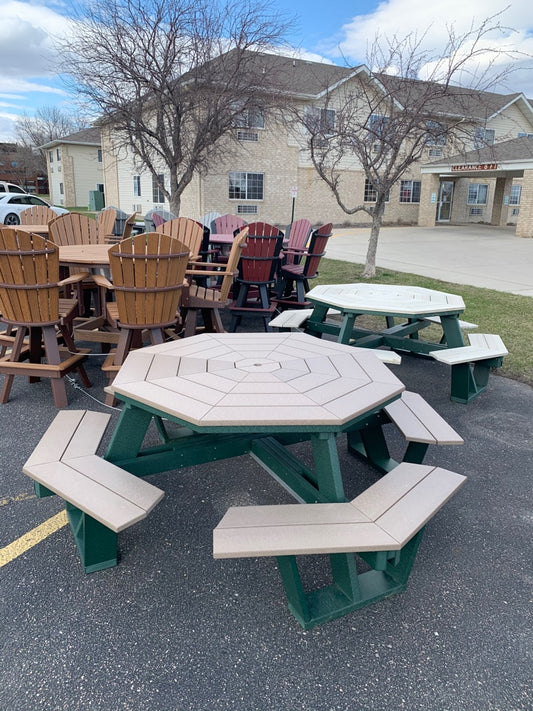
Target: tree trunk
{"points": [[370, 264], [175, 204]]}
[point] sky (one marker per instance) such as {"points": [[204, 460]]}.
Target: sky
{"points": [[338, 31]]}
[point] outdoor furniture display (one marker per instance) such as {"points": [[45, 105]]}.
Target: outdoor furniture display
{"points": [[37, 215], [30, 302], [217, 396], [293, 282], [105, 223], [129, 223], [258, 269], [148, 273], [200, 299]]}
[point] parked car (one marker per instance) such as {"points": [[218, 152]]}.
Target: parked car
{"points": [[10, 188], [12, 204]]}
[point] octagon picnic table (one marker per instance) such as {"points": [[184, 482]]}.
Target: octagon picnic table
{"points": [[231, 394], [416, 307]]}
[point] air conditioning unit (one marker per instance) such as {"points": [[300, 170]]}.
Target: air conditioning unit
{"points": [[137, 208]]}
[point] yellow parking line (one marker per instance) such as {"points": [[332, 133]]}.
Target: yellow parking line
{"points": [[32, 538]]}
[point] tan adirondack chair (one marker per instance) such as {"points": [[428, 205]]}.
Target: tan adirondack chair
{"points": [[148, 272], [105, 223], [187, 231], [30, 302], [210, 301], [37, 215]]}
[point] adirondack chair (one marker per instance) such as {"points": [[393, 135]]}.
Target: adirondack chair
{"points": [[158, 219], [126, 232], [105, 223], [148, 273], [258, 268], [187, 231], [37, 215], [30, 302], [294, 278], [298, 234], [209, 218], [226, 224], [200, 299]]}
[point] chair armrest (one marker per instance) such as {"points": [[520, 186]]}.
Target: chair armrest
{"points": [[103, 281], [74, 278]]}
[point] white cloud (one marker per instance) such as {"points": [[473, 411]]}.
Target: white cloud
{"points": [[433, 21]]}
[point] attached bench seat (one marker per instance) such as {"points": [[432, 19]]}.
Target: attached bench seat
{"points": [[293, 319], [381, 524], [419, 423], [101, 498], [471, 364]]}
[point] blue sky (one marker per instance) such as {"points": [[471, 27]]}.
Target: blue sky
{"points": [[333, 31]]}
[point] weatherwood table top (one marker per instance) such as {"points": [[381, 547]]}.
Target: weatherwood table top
{"points": [[85, 255], [386, 299], [257, 382]]}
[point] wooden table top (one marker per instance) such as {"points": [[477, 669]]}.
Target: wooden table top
{"points": [[38, 229], [84, 254], [257, 382], [387, 299]]}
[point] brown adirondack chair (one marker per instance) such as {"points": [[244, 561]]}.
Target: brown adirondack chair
{"points": [[37, 215], [258, 267], [298, 234], [30, 303], [105, 223], [187, 231], [294, 278], [148, 272], [201, 299], [73, 228]]}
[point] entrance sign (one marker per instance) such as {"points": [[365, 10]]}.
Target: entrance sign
{"points": [[466, 167]]}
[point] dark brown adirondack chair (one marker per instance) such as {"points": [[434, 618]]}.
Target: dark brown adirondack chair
{"points": [[298, 234], [294, 282], [148, 272], [30, 303], [258, 268], [200, 299]]}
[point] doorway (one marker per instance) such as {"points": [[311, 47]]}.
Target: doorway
{"points": [[444, 207]]}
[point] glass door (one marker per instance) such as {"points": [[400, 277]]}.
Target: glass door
{"points": [[444, 208]]}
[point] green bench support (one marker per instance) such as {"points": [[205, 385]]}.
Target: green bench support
{"points": [[383, 525], [101, 499], [471, 365], [418, 422]]}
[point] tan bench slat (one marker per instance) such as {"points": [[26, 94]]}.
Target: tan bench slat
{"points": [[482, 346], [81, 429], [112, 510], [466, 325], [290, 514], [292, 318], [487, 340], [385, 492], [414, 510], [419, 422], [300, 539], [131, 487]]}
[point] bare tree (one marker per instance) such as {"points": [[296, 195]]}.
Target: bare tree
{"points": [[171, 79], [386, 117], [47, 124]]}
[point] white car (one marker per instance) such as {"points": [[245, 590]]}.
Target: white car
{"points": [[12, 204]]}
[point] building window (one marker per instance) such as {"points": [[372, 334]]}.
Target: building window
{"points": [[477, 194], [61, 189], [158, 183], [51, 156], [483, 137], [320, 120], [100, 187], [516, 194], [250, 118], [410, 191], [377, 125], [246, 186], [435, 133], [137, 186], [522, 134], [99, 158], [371, 193], [58, 153], [247, 136]]}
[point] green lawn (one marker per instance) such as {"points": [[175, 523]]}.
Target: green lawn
{"points": [[508, 315]]}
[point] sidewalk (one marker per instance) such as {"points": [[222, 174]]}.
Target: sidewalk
{"points": [[478, 255]]}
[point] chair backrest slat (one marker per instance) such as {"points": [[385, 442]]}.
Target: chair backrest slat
{"points": [[225, 224], [317, 249], [29, 274], [37, 215], [298, 234], [148, 272], [259, 259], [187, 231], [105, 223], [233, 263], [73, 228]]}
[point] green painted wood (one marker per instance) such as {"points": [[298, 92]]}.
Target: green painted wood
{"points": [[97, 544]]}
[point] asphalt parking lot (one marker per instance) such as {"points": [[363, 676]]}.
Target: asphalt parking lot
{"points": [[172, 629]]}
